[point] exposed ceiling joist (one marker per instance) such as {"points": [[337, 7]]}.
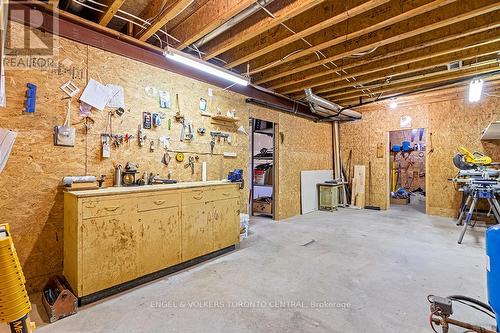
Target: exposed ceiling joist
{"points": [[351, 12], [420, 66], [423, 80], [447, 34], [427, 22], [230, 39], [337, 48], [110, 12], [429, 53], [75, 28], [368, 24], [432, 94], [207, 18], [173, 9]]}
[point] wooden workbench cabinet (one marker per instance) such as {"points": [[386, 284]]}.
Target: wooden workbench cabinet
{"points": [[116, 235]]}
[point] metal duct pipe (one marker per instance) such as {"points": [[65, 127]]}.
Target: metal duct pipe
{"points": [[331, 108], [281, 108], [328, 113], [319, 110], [232, 22]]}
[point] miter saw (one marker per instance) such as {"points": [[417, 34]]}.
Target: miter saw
{"points": [[478, 180], [465, 160]]}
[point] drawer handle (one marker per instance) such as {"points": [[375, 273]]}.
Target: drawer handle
{"points": [[90, 205], [226, 193], [111, 208], [198, 197], [159, 202]]}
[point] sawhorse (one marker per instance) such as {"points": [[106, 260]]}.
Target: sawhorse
{"points": [[474, 195]]}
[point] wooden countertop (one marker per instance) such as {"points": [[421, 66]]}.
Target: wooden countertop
{"points": [[146, 188]]}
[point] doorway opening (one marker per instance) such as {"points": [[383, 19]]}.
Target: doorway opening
{"points": [[407, 168], [262, 199]]}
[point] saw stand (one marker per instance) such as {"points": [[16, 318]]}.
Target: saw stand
{"points": [[477, 189]]}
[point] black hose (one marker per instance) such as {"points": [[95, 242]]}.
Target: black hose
{"points": [[472, 300]]}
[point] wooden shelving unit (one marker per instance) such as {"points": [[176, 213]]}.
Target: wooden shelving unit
{"points": [[266, 206]]}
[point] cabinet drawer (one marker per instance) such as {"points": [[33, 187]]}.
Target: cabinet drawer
{"points": [[195, 196], [159, 201], [108, 207], [224, 193]]}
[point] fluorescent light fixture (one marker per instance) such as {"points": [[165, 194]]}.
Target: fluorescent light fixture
{"points": [[393, 105], [204, 66], [475, 89]]}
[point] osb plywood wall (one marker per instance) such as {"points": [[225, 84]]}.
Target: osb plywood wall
{"points": [[30, 194], [449, 123]]}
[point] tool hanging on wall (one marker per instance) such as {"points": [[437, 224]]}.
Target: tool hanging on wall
{"points": [[146, 121], [70, 89], [65, 135], [30, 102], [165, 142], [119, 139], [212, 145], [187, 133], [178, 115], [179, 157], [105, 146], [140, 136], [219, 135], [106, 138], [120, 111], [128, 137], [203, 105], [190, 164], [164, 99], [156, 120], [166, 158]]}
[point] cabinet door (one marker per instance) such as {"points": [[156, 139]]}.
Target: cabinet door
{"points": [[225, 221], [160, 240], [109, 247], [196, 232]]}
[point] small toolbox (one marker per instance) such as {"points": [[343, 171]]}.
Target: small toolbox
{"points": [[58, 300]]}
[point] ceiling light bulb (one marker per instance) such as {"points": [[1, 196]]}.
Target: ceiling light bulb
{"points": [[204, 66], [475, 89], [393, 105]]}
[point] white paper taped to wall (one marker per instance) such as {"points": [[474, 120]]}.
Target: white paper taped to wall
{"points": [[117, 97], [7, 139], [96, 94]]}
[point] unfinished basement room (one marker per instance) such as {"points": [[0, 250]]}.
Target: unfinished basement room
{"points": [[305, 166]]}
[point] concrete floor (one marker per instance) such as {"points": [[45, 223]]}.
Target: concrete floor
{"points": [[363, 271]]}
